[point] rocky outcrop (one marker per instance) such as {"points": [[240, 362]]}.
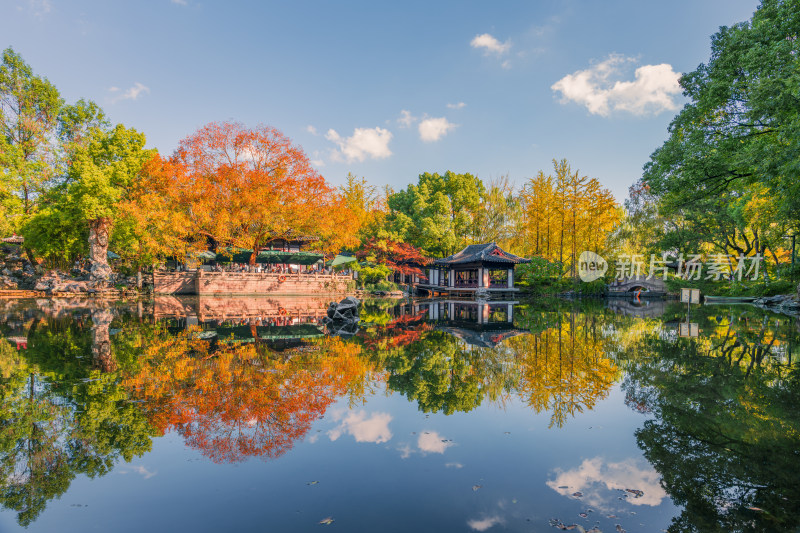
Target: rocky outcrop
{"points": [[782, 303], [343, 317], [15, 271]]}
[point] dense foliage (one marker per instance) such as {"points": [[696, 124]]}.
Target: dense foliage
{"points": [[725, 181]]}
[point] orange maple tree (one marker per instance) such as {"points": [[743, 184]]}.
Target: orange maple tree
{"points": [[399, 256], [246, 187]]}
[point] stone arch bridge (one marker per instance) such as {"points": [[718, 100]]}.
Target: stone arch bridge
{"points": [[638, 283]]}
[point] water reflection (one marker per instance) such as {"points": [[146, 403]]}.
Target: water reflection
{"points": [[88, 386], [64, 412], [724, 431]]}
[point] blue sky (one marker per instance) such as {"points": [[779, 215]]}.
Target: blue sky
{"points": [[388, 90]]}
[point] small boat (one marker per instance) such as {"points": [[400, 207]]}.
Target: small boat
{"points": [[729, 299]]}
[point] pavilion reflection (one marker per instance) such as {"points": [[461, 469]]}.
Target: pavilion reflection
{"points": [[483, 324]]}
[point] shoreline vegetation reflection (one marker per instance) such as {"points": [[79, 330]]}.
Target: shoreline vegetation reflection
{"points": [[87, 386]]}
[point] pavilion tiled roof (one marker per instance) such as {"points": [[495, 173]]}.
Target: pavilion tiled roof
{"points": [[476, 253]]}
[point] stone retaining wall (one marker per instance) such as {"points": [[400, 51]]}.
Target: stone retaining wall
{"points": [[208, 283], [174, 282]]}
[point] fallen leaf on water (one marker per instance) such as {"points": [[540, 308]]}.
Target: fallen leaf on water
{"points": [[583, 515], [577, 494], [563, 487], [636, 493], [326, 521], [612, 516], [476, 487], [312, 482], [755, 508], [620, 529]]}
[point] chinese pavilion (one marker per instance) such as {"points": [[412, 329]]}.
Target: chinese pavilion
{"points": [[478, 267]]}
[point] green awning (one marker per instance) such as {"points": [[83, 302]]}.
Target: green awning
{"points": [[342, 260], [239, 255], [206, 255], [293, 258]]}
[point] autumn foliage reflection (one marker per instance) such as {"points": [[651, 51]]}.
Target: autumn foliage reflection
{"points": [[563, 368], [232, 402]]}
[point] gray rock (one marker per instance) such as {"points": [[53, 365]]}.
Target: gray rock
{"points": [[8, 283]]}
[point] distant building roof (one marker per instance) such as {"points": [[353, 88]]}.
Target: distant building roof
{"points": [[477, 253]]}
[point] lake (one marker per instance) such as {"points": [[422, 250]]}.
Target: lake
{"points": [[250, 414]]}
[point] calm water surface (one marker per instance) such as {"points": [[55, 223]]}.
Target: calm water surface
{"points": [[248, 414]]}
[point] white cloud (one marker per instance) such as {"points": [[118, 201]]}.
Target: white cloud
{"points": [[453, 465], [312, 130], [652, 90], [405, 451], [432, 442], [485, 523], [406, 119], [459, 105], [490, 44], [316, 159], [131, 94], [40, 8], [596, 480], [141, 470], [364, 143], [373, 429], [180, 2], [433, 129]]}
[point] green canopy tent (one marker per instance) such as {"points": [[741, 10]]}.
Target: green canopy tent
{"points": [[205, 255], [341, 260]]}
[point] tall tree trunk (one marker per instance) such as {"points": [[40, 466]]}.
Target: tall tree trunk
{"points": [[99, 233]]}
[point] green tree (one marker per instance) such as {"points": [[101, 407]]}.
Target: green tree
{"points": [[738, 135], [29, 118], [104, 164], [439, 214]]}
